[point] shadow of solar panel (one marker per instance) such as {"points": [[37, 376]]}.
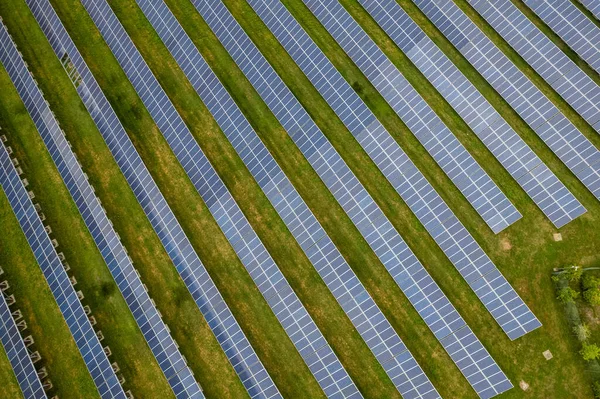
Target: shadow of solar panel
{"points": [[334, 172], [87, 342], [11, 339], [568, 22], [578, 89], [270, 281], [563, 138], [504, 143]]}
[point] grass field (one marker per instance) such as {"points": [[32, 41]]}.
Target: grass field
{"points": [[525, 252]]}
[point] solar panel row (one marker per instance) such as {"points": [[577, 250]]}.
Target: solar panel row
{"points": [[561, 136], [89, 346], [11, 339], [593, 6], [474, 265], [479, 189], [577, 88], [218, 315], [547, 191], [156, 333], [328, 261], [293, 316], [572, 25], [431, 303]]}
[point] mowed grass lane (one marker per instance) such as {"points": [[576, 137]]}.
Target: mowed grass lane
{"points": [[122, 335], [65, 366], [267, 336], [527, 262], [179, 311]]}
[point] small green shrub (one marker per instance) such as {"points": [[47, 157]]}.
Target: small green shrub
{"points": [[590, 351], [567, 295]]}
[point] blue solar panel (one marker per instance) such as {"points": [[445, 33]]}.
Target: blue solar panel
{"points": [[431, 303], [487, 199], [553, 198], [89, 346], [577, 30], [428, 206], [296, 321], [337, 274], [563, 138], [11, 339], [593, 6], [577, 88], [209, 300]]}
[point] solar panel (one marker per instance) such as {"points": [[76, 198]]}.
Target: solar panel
{"points": [[11, 339], [553, 198], [339, 277], [431, 303], [593, 6], [287, 307], [222, 322], [70, 306], [577, 30], [427, 205], [487, 199], [561, 136], [577, 88]]}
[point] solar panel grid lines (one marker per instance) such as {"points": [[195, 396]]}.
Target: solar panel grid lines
{"points": [[434, 214], [352, 296], [573, 26], [288, 309], [436, 310], [574, 85], [218, 315], [464, 171], [559, 134], [70, 306], [11, 340], [547, 191], [593, 6]]}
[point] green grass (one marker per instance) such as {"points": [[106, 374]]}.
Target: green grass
{"points": [[122, 335], [525, 252], [65, 366]]}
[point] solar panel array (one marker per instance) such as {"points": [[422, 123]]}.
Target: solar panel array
{"points": [[593, 6], [547, 191], [370, 322], [293, 316], [573, 26], [479, 189], [219, 317], [577, 88], [10, 338], [430, 302], [561, 136], [474, 265], [70, 306]]}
